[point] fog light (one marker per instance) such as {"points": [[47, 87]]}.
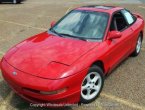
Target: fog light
{"points": [[53, 92]]}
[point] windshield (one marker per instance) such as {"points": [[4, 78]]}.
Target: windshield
{"points": [[82, 24]]}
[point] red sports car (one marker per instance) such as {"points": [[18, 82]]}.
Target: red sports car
{"points": [[68, 63]]}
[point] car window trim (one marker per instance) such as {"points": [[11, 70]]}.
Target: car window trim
{"points": [[104, 34], [111, 17], [124, 18], [131, 15]]}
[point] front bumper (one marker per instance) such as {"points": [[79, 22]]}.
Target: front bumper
{"points": [[22, 82]]}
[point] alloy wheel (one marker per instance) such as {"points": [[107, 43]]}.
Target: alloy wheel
{"points": [[138, 46], [91, 85]]}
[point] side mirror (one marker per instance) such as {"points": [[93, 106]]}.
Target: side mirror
{"points": [[52, 23], [114, 35]]}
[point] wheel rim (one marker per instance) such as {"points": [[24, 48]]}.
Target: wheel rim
{"points": [[14, 1], [138, 46], [91, 85]]}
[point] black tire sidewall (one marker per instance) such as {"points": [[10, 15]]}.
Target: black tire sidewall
{"points": [[99, 70], [18, 1]]}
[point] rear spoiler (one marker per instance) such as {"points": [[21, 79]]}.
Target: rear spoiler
{"points": [[137, 15], [0, 63]]}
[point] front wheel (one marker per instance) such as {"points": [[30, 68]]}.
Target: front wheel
{"points": [[92, 85], [138, 46]]}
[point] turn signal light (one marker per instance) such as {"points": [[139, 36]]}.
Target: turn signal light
{"points": [[53, 92]]}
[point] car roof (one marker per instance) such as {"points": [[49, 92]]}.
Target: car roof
{"points": [[100, 8]]}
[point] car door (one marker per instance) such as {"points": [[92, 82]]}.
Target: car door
{"points": [[131, 20], [119, 48]]}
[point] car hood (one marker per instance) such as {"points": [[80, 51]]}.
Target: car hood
{"points": [[47, 52]]}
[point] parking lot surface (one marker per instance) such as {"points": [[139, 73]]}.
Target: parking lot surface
{"points": [[124, 89]]}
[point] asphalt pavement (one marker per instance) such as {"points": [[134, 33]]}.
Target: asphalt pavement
{"points": [[124, 89]]}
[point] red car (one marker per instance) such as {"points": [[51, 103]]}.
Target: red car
{"points": [[68, 63]]}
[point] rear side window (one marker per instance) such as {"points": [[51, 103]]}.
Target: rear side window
{"points": [[129, 17]]}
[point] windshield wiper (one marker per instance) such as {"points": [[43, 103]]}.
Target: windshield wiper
{"points": [[52, 30], [73, 36], [62, 35]]}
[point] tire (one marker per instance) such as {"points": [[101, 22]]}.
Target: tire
{"points": [[91, 85], [138, 46], [16, 1]]}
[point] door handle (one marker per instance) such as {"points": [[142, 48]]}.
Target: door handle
{"points": [[132, 29]]}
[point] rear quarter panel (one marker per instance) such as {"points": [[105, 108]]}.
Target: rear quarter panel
{"points": [[137, 28]]}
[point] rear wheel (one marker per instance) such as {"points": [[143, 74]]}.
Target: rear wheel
{"points": [[138, 46], [16, 1], [92, 85]]}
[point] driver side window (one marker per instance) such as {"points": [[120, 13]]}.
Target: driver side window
{"points": [[118, 22]]}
